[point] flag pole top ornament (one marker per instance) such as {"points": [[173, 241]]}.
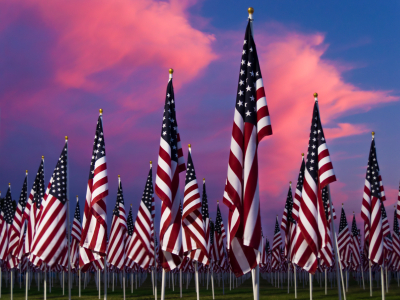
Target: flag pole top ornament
{"points": [[217, 201], [131, 205], [290, 183], [373, 134], [342, 204], [204, 180], [315, 97], [302, 154], [42, 156], [250, 10], [66, 137], [170, 71], [119, 176], [26, 171], [9, 184], [101, 111]]}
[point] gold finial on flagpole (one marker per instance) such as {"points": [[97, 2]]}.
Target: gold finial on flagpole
{"points": [[119, 176], [131, 205], [373, 134], [315, 96], [9, 184], [217, 201], [290, 183], [190, 146], [171, 71], [302, 154], [101, 111], [26, 172], [66, 137], [342, 204], [250, 10], [204, 180], [42, 156]]}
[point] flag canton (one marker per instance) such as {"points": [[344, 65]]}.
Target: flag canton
{"points": [[8, 208], [169, 131], [204, 204], [383, 212], [38, 186], [300, 179], [190, 173], [277, 230], [218, 221], [211, 232], [325, 200], [120, 200], [77, 214], [373, 171], [343, 221], [99, 147], [289, 206], [129, 222], [354, 229], [317, 139], [23, 195], [246, 101], [396, 224], [58, 187], [148, 193]]}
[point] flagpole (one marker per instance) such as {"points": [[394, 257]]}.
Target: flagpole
{"points": [[310, 279], [333, 235], [68, 226], [370, 277], [163, 285], [212, 283], [27, 265], [295, 281], [105, 277], [197, 280], [155, 254], [341, 273], [180, 282]]}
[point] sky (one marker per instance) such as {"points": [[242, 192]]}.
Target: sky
{"points": [[61, 61]]}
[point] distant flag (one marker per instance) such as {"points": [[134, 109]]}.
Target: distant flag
{"points": [[288, 224], [141, 246], [398, 205], [32, 207], [76, 233], [385, 221], [93, 243], [356, 244], [18, 225], [130, 226], [7, 212], [213, 255], [312, 220], [206, 219], [170, 164], [116, 242], [251, 124], [220, 234], [276, 252], [299, 188], [325, 199], [371, 206], [344, 240], [193, 233], [50, 235], [395, 261]]}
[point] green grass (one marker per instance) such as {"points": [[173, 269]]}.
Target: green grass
{"points": [[267, 291]]}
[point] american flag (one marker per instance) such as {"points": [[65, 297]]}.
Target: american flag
{"points": [[264, 254], [356, 244], [116, 243], [299, 188], [7, 214], [344, 239], [130, 226], [312, 221], [220, 234], [213, 253], [93, 243], [396, 243], [17, 229], [206, 218], [193, 233], [385, 221], [288, 223], [50, 235], [398, 205], [371, 207], [251, 124], [325, 199], [76, 233], [33, 206], [141, 245], [277, 242], [170, 164]]}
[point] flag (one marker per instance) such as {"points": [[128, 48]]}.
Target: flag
{"points": [[251, 124], [116, 243], [398, 205], [50, 235], [312, 221], [276, 252], [220, 234], [206, 218], [33, 206], [130, 226], [214, 252], [355, 245], [371, 207], [385, 221], [344, 240], [18, 225], [93, 243], [170, 164], [7, 215], [141, 246], [299, 188], [395, 262], [288, 224], [76, 233], [325, 199], [193, 235]]}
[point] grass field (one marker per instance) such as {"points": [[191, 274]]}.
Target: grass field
{"points": [[267, 291]]}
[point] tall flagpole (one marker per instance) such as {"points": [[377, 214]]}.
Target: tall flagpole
{"points": [[27, 265], [68, 226], [11, 271], [79, 268]]}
